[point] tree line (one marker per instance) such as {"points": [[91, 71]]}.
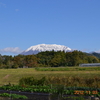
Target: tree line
{"points": [[47, 59]]}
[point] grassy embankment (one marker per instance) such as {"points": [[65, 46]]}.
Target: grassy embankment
{"points": [[66, 75]]}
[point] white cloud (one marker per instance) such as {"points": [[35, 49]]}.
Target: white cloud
{"points": [[2, 4], [15, 50]]}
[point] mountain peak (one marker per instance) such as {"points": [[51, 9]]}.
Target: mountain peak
{"points": [[45, 47]]}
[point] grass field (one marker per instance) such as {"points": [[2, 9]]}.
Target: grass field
{"points": [[13, 75]]}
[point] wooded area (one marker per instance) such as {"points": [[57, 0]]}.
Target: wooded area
{"points": [[47, 59]]}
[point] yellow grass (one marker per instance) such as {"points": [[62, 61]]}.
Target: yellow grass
{"points": [[13, 75]]}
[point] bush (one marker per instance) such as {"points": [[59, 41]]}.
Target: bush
{"points": [[31, 81]]}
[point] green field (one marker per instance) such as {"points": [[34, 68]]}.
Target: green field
{"points": [[57, 76]]}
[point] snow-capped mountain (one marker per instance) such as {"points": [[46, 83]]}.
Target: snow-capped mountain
{"points": [[45, 47]]}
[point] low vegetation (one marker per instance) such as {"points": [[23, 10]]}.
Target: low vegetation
{"points": [[72, 81], [14, 75], [53, 89], [75, 68], [63, 80], [13, 96]]}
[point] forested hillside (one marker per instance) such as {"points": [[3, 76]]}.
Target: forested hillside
{"points": [[96, 54], [47, 59]]}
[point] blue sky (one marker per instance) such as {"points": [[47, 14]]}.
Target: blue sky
{"points": [[73, 23]]}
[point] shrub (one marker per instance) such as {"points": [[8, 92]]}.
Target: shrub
{"points": [[31, 81]]}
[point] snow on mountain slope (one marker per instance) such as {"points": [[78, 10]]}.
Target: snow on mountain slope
{"points": [[45, 47]]}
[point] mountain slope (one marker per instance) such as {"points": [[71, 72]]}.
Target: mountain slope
{"points": [[96, 54], [45, 47]]}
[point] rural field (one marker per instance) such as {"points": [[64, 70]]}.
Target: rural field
{"points": [[69, 76]]}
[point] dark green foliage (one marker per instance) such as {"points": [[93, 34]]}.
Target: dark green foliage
{"points": [[48, 59], [96, 54], [68, 69], [31, 81], [4, 95], [55, 89], [44, 58], [13, 96], [67, 81], [60, 89]]}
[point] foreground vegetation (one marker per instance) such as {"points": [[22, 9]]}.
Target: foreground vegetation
{"points": [[13, 96], [60, 80], [75, 68], [72, 81], [73, 77], [52, 89], [29, 84]]}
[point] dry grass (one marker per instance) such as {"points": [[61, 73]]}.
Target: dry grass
{"points": [[13, 75]]}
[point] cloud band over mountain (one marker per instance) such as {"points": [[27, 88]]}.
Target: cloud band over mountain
{"points": [[15, 50]]}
